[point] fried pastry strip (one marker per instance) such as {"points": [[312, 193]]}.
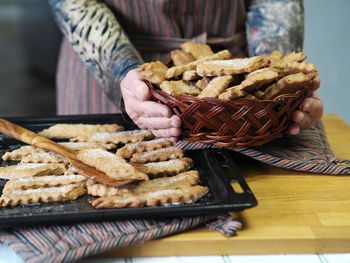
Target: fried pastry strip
{"points": [[113, 165], [168, 168], [202, 83], [183, 179], [293, 56], [154, 72], [157, 197], [18, 154], [77, 146], [190, 75], [67, 131], [233, 93], [275, 56], [295, 67], [232, 66], [289, 84], [42, 195], [117, 137], [216, 86], [256, 79], [197, 50], [129, 149], [159, 155], [43, 157], [31, 170], [42, 182], [32, 154], [178, 70], [281, 65], [180, 57], [179, 87]]}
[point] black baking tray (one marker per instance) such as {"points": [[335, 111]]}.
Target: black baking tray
{"points": [[216, 167]]}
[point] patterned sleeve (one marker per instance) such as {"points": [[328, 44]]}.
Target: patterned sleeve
{"points": [[98, 40], [275, 25]]}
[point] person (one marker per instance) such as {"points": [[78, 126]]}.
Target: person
{"points": [[106, 42]]}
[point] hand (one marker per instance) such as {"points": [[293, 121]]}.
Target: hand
{"points": [[309, 112], [148, 114]]}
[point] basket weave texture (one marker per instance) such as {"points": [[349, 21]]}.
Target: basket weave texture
{"points": [[238, 122]]}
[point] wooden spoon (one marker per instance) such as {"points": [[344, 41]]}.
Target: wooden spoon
{"points": [[19, 133]]}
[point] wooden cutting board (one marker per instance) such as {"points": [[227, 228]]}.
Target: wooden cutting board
{"points": [[297, 213]]}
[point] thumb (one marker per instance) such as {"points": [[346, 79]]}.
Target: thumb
{"points": [[135, 87], [141, 91]]}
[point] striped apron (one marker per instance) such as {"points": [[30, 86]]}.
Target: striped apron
{"points": [[155, 27]]}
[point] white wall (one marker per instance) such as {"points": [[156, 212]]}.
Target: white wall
{"points": [[327, 45]]}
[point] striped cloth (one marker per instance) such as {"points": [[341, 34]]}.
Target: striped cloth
{"points": [[307, 152], [65, 243]]}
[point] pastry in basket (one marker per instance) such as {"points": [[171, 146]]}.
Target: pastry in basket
{"points": [[275, 56], [158, 155], [180, 57], [168, 168], [154, 72], [278, 62], [116, 137], [178, 70], [202, 83], [233, 93], [31, 170], [67, 131], [258, 78], [253, 81], [42, 182], [129, 149], [113, 165], [179, 87], [231, 66], [186, 178], [289, 84], [190, 75], [216, 86], [197, 50], [293, 56], [42, 195], [295, 67]]}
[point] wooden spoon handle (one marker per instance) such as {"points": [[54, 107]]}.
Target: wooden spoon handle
{"points": [[19, 133]]}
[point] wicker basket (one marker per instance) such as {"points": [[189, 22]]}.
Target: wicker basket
{"points": [[238, 122]]}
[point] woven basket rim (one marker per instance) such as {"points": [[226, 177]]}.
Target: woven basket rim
{"points": [[278, 121]]}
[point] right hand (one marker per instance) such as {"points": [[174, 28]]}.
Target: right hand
{"points": [[148, 114]]}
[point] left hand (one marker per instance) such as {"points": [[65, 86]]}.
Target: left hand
{"points": [[309, 112]]}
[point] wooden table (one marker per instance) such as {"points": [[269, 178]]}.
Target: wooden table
{"points": [[297, 213]]}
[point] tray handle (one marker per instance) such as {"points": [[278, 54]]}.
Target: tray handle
{"points": [[222, 165]]}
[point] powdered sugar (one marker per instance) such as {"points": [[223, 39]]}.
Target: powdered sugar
{"points": [[103, 136], [91, 156], [137, 144], [166, 164], [52, 178], [25, 166], [95, 153], [56, 190], [238, 62], [162, 150]]}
